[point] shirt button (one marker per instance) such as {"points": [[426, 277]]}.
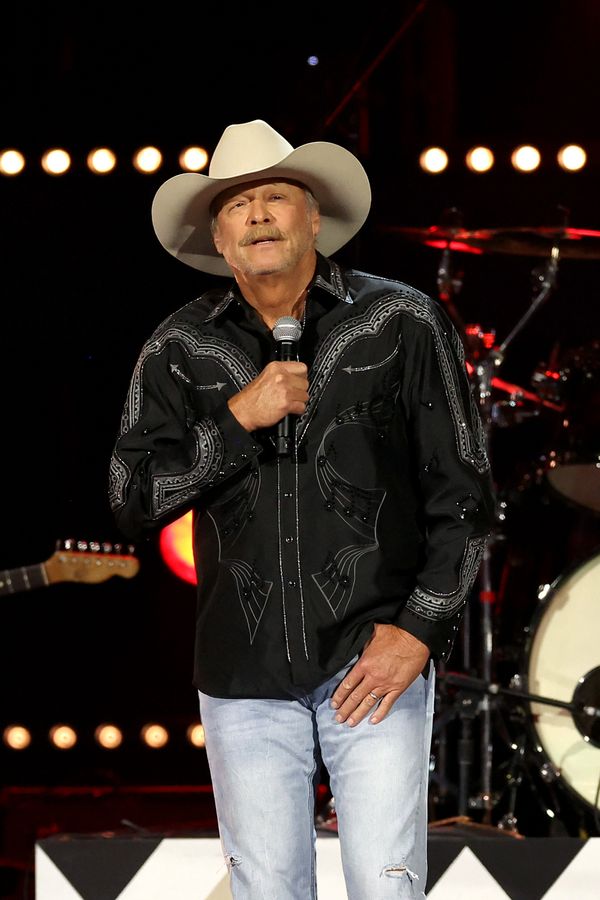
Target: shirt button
{"points": [[288, 494], [292, 583], [289, 539]]}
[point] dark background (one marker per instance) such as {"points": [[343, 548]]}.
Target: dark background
{"points": [[85, 281]]}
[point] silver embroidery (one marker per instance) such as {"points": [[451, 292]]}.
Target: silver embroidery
{"points": [[470, 444], [431, 605], [352, 504], [169, 491], [252, 593], [236, 364], [252, 590]]}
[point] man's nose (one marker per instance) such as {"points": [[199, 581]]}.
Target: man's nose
{"points": [[258, 212]]}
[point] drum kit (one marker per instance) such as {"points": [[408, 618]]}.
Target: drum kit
{"points": [[529, 690]]}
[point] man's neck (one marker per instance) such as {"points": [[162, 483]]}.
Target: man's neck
{"points": [[281, 294]]}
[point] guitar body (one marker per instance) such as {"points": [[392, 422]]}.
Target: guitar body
{"points": [[76, 561]]}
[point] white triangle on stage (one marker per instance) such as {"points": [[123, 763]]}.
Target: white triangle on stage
{"points": [[181, 867], [194, 867], [581, 878], [466, 878], [50, 883]]}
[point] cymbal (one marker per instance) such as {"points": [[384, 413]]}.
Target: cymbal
{"points": [[575, 243]]}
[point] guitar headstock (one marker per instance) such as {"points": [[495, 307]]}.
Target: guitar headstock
{"points": [[90, 562]]}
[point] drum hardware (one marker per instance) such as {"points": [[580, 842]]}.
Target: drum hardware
{"points": [[484, 358], [574, 243], [571, 464], [584, 713], [487, 358]]}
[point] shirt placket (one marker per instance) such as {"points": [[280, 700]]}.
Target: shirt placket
{"points": [[292, 594]]}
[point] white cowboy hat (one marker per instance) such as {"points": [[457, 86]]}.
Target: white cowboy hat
{"points": [[248, 152]]}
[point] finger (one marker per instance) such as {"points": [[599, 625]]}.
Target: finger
{"points": [[367, 704], [344, 688], [385, 704]]}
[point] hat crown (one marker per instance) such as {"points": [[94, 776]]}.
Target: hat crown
{"points": [[256, 143]]}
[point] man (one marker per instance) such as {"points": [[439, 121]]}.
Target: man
{"points": [[332, 576]]}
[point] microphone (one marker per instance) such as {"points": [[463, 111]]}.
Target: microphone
{"points": [[286, 331]]}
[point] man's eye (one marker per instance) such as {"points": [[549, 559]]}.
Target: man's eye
{"points": [[277, 197]]}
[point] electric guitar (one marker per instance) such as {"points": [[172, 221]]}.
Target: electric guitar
{"points": [[82, 561]]}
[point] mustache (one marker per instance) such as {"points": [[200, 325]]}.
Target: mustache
{"points": [[263, 232]]}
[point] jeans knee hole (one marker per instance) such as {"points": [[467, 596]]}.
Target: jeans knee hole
{"points": [[396, 870]]}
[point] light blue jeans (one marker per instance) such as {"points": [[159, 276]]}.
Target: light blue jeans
{"points": [[264, 758]]}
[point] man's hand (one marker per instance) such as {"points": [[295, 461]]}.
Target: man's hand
{"points": [[390, 662], [281, 388]]}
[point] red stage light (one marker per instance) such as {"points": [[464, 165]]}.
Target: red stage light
{"points": [[177, 549]]}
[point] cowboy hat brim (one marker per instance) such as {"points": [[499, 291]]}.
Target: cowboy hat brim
{"points": [[181, 206]]}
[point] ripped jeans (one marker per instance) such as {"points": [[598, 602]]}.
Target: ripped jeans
{"points": [[264, 763]]}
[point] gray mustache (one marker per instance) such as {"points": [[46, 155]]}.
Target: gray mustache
{"points": [[257, 234]]}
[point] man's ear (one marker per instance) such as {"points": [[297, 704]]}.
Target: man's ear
{"points": [[316, 222]]}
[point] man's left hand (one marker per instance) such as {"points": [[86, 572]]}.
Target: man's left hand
{"points": [[390, 662]]}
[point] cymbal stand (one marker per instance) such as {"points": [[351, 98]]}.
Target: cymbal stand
{"points": [[484, 370]]}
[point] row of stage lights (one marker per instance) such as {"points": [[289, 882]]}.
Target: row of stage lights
{"points": [[146, 160], [108, 736], [524, 158]]}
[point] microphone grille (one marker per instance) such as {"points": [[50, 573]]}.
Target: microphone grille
{"points": [[287, 328]]}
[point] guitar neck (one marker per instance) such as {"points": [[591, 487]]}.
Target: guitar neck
{"points": [[25, 578], [79, 565]]}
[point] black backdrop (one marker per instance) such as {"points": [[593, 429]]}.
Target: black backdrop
{"points": [[85, 281]]}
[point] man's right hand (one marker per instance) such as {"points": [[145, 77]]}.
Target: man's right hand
{"points": [[281, 388]]}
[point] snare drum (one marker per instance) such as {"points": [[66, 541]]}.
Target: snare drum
{"points": [[563, 663]]}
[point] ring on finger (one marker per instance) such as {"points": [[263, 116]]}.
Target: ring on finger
{"points": [[374, 696]]}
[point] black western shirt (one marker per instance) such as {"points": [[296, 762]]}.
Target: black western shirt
{"points": [[380, 515]]}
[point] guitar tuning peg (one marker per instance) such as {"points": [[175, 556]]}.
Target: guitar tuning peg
{"points": [[82, 545], [107, 548], [69, 544], [118, 548], [131, 549], [95, 546]]}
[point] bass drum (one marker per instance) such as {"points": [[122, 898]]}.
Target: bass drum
{"points": [[563, 663]]}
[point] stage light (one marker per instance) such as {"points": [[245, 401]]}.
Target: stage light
{"points": [[147, 159], [479, 159], [63, 737], [571, 157], [108, 736], [525, 158], [11, 162], [154, 735], [195, 735], [313, 60], [16, 737], [176, 548], [56, 161], [193, 159], [433, 160], [101, 160]]}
